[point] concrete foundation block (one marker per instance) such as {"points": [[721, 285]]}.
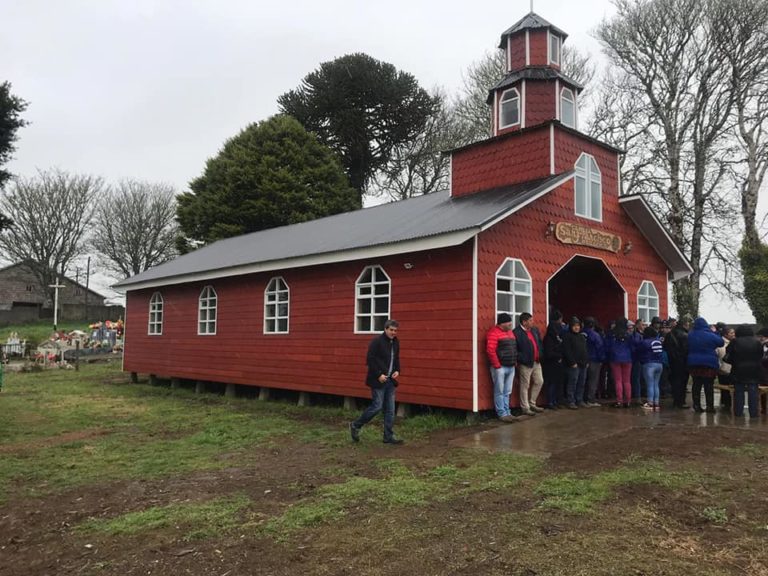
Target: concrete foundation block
{"points": [[153, 380], [264, 394], [403, 410], [304, 399], [134, 377], [175, 383], [199, 387], [350, 403], [230, 391]]}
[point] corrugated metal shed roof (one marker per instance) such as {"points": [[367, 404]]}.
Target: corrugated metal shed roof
{"points": [[431, 215]]}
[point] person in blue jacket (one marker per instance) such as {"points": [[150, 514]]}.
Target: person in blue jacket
{"points": [[703, 363], [596, 350], [649, 353]]}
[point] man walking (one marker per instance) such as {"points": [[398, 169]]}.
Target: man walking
{"points": [[383, 361], [501, 349], [529, 358]]}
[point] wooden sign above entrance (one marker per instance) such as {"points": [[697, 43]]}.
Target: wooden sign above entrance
{"points": [[569, 233]]}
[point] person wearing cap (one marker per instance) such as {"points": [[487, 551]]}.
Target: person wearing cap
{"points": [[596, 350], [552, 366], [501, 349], [383, 361], [575, 360], [676, 346], [703, 363]]}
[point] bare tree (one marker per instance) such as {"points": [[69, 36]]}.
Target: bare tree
{"points": [[136, 227], [666, 49], [419, 166], [51, 213]]}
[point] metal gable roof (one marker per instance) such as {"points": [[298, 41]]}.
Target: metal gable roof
{"points": [[532, 73], [645, 219], [392, 228]]}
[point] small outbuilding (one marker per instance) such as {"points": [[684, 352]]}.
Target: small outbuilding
{"points": [[533, 220]]}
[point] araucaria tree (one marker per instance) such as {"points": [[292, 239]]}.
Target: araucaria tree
{"points": [[136, 227], [11, 108], [271, 174], [51, 213], [361, 108]]}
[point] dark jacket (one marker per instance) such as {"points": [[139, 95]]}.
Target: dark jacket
{"points": [[575, 349], [702, 343], [501, 347], [380, 350], [676, 346], [618, 349], [649, 350], [525, 347], [553, 342], [745, 355]]}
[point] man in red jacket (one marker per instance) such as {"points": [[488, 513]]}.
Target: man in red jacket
{"points": [[501, 348]]}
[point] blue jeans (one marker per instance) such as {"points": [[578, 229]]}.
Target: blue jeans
{"points": [[576, 377], [738, 400], [652, 376], [502, 388], [383, 397]]}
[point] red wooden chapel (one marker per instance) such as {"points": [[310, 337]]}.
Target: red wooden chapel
{"points": [[534, 219]]}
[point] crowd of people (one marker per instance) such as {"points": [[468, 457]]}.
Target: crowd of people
{"points": [[629, 363]]}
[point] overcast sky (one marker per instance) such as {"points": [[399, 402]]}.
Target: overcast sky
{"points": [[151, 89]]}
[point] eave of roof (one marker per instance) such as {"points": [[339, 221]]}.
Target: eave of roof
{"points": [[528, 22], [422, 223], [640, 212], [532, 73]]}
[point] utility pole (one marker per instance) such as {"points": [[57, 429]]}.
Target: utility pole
{"points": [[56, 301], [87, 282]]}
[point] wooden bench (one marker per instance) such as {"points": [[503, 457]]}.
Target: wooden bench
{"points": [[762, 392]]}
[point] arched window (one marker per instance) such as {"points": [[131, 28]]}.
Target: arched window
{"points": [[206, 311], [372, 300], [647, 301], [514, 294], [568, 108], [588, 188], [276, 305], [155, 314], [509, 108]]}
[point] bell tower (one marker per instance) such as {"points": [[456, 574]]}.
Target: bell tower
{"points": [[534, 90]]}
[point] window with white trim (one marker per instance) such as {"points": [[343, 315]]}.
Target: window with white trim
{"points": [[372, 296], [647, 301], [276, 305], [588, 188], [206, 311], [509, 108], [568, 107], [155, 314], [514, 293], [554, 49]]}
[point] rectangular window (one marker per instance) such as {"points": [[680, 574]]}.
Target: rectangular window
{"points": [[276, 307], [372, 300], [554, 49]]}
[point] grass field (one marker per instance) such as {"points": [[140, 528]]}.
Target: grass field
{"points": [[99, 476]]}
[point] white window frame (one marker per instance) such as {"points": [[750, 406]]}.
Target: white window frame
{"points": [[207, 305], [513, 293], [502, 101], [155, 321], [554, 55], [276, 294], [378, 287], [588, 174], [572, 101], [645, 300]]}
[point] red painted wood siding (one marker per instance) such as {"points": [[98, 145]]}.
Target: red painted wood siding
{"points": [[522, 236], [517, 43], [501, 161], [539, 102], [539, 47], [432, 301]]}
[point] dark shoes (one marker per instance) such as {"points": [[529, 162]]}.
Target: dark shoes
{"points": [[508, 418], [354, 432], [393, 441]]}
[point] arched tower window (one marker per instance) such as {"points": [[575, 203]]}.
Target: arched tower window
{"points": [[568, 107], [206, 311], [509, 108], [276, 307], [155, 314]]}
